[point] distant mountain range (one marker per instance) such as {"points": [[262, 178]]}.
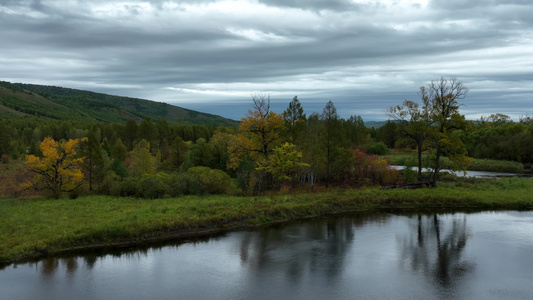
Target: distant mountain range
{"points": [[375, 124], [18, 100]]}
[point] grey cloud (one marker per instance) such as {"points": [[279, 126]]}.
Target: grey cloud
{"points": [[459, 4], [347, 41], [314, 5]]}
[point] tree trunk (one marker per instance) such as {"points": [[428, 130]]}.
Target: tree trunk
{"points": [[419, 157], [437, 168]]}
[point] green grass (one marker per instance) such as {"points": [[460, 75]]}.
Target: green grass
{"points": [[496, 166], [30, 228]]}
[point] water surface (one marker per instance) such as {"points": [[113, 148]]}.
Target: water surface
{"points": [[486, 255]]}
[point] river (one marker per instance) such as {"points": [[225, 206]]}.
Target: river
{"points": [[481, 255]]}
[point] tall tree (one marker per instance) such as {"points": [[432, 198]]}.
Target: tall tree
{"points": [[330, 118], [259, 134], [148, 131], [415, 122], [201, 154], [444, 95], [312, 149], [179, 152], [432, 125], [130, 133], [142, 162], [294, 119], [163, 132], [93, 164], [355, 131], [387, 133], [119, 150], [220, 143]]}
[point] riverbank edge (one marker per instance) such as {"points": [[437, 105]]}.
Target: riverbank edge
{"points": [[275, 209]]}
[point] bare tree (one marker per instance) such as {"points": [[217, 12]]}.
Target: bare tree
{"points": [[414, 122], [434, 121], [261, 105], [443, 97]]}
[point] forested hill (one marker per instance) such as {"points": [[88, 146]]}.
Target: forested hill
{"points": [[23, 100]]}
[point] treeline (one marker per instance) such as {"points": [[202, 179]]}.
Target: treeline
{"points": [[19, 137], [493, 137], [153, 159], [269, 150]]}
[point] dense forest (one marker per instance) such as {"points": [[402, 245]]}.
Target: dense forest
{"points": [[152, 158]]}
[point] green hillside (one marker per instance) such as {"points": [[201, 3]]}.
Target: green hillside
{"points": [[24, 100]]}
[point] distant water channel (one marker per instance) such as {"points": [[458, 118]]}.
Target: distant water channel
{"points": [[475, 174], [482, 255]]}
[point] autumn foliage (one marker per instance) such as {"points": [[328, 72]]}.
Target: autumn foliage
{"points": [[58, 169]]}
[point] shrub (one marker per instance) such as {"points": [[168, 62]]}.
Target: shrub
{"points": [[208, 181], [378, 148], [372, 169], [119, 168], [129, 187], [154, 185], [179, 184], [111, 185]]}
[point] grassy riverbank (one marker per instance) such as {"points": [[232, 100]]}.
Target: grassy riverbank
{"points": [[31, 228]]}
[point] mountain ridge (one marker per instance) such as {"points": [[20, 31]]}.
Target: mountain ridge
{"points": [[25, 100]]}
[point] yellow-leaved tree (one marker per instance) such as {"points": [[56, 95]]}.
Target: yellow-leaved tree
{"points": [[284, 163], [58, 170], [259, 133]]}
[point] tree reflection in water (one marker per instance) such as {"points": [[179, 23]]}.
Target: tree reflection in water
{"points": [[318, 247], [435, 248], [74, 261]]}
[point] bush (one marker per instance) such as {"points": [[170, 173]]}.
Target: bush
{"points": [[378, 148], [111, 185], [372, 169], [129, 187], [208, 181], [119, 168], [154, 185], [178, 184], [197, 180]]}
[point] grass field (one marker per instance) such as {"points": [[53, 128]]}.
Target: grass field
{"points": [[35, 227]]}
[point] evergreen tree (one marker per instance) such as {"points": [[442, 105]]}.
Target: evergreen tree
{"points": [[294, 119], [330, 118]]}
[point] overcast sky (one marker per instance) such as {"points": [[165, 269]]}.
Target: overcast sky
{"points": [[364, 55]]}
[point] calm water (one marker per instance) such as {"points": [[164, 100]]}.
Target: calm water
{"points": [[476, 174], [485, 255]]}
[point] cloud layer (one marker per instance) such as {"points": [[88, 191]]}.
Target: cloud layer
{"points": [[363, 55]]}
